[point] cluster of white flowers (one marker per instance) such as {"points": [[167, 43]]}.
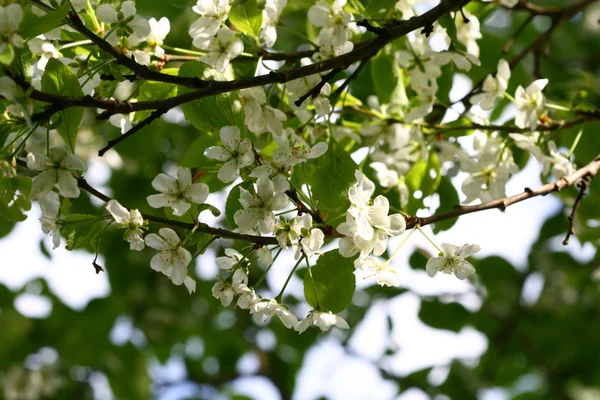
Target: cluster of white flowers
{"points": [[368, 227], [123, 20], [261, 117], [270, 18], [299, 234], [207, 33], [336, 28], [225, 290]]}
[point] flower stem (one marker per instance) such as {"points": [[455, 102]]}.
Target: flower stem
{"points": [[430, 241], [557, 107], [92, 13], [264, 275], [575, 143], [402, 244], [279, 297], [313, 282]]}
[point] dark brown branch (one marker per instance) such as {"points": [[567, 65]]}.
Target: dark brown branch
{"points": [[583, 185], [147, 121], [353, 76], [141, 71], [314, 92], [366, 49], [589, 170]]}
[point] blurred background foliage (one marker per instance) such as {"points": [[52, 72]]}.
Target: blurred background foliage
{"points": [[542, 349]]}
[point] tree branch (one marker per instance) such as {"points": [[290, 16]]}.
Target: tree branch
{"points": [[364, 50], [583, 185], [147, 121], [589, 171]]}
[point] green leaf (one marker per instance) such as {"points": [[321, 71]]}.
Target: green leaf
{"points": [[14, 196], [448, 199], [419, 177], [201, 239], [7, 55], [246, 17], [213, 112], [334, 282], [451, 316], [233, 203], [79, 229], [59, 79], [387, 77], [34, 25], [213, 210], [329, 177], [375, 7]]}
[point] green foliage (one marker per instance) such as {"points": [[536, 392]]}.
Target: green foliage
{"points": [[333, 282], [388, 79], [14, 195], [34, 25], [79, 230], [246, 17], [59, 79], [214, 112], [329, 177], [448, 199], [419, 177]]}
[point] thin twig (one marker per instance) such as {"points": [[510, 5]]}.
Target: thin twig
{"points": [[147, 121], [583, 185], [314, 92]]}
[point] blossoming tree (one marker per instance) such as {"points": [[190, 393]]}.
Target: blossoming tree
{"points": [[321, 131]]}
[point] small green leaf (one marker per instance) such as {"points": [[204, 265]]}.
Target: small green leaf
{"points": [[334, 282], [246, 17], [79, 229], [213, 112], [34, 25], [419, 177], [14, 196], [213, 210], [59, 79], [7, 55]]}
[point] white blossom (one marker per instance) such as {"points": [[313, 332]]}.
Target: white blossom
{"points": [[247, 299], [57, 169], [386, 177], [10, 19], [468, 32], [277, 170], [462, 61], [221, 48], [121, 121], [335, 22], [267, 308], [223, 292], [177, 193], [557, 163], [45, 50], [452, 261], [231, 259], [173, 259], [212, 14], [126, 19], [509, 3], [158, 32], [265, 258], [323, 320], [384, 274], [235, 154], [529, 143], [261, 117], [359, 195], [493, 87], [270, 14], [259, 208], [190, 284], [50, 205], [530, 103], [132, 220]]}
